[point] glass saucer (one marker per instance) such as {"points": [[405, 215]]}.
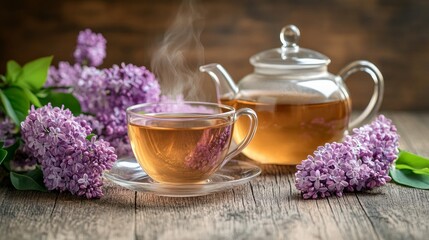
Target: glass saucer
{"points": [[127, 173]]}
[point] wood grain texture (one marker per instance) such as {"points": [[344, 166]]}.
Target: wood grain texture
{"points": [[111, 217], [269, 207], [23, 215], [392, 34], [33, 215]]}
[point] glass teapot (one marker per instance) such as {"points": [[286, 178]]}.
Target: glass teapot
{"points": [[300, 105]]}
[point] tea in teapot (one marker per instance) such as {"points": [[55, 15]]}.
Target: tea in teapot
{"points": [[290, 130]]}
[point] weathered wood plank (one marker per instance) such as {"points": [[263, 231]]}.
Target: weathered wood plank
{"points": [[35, 215], [24, 214], [111, 217]]}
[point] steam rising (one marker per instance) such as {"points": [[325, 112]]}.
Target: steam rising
{"points": [[176, 61]]}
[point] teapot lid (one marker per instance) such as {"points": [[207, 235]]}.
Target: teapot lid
{"points": [[290, 55]]}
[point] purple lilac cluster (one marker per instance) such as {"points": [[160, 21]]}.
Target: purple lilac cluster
{"points": [[89, 89], [106, 94], [359, 163], [70, 162], [91, 48], [65, 75], [7, 128], [123, 86], [22, 162], [128, 85], [211, 145], [86, 82]]}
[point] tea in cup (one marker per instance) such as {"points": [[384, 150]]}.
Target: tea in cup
{"points": [[185, 142]]}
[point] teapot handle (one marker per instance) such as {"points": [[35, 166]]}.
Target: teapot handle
{"points": [[377, 96]]}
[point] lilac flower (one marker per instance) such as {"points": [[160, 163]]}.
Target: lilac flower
{"points": [[37, 129], [87, 84], [70, 162], [128, 84], [359, 163], [97, 126], [7, 128], [90, 89], [65, 75], [213, 143], [115, 131], [97, 156], [22, 162], [106, 94], [91, 48], [118, 88]]}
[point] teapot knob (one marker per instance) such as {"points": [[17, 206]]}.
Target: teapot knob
{"points": [[289, 36]]}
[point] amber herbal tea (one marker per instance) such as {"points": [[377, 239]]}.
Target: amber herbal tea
{"points": [[180, 151], [289, 131]]}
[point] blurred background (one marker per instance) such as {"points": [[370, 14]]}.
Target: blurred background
{"points": [[394, 35]]}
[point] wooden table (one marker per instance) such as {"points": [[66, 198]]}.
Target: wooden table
{"points": [[269, 207]]}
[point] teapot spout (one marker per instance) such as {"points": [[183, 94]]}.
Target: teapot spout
{"points": [[225, 86]]}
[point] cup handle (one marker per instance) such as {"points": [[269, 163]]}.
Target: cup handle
{"points": [[252, 130], [377, 96]]}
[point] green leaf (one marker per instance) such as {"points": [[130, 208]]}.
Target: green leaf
{"points": [[42, 93], [58, 99], [31, 180], [11, 150], [13, 71], [411, 170], [33, 99], [34, 74], [3, 155], [409, 178], [416, 171], [18, 101], [410, 161], [8, 108], [89, 137]]}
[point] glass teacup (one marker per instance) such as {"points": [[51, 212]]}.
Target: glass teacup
{"points": [[185, 142]]}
